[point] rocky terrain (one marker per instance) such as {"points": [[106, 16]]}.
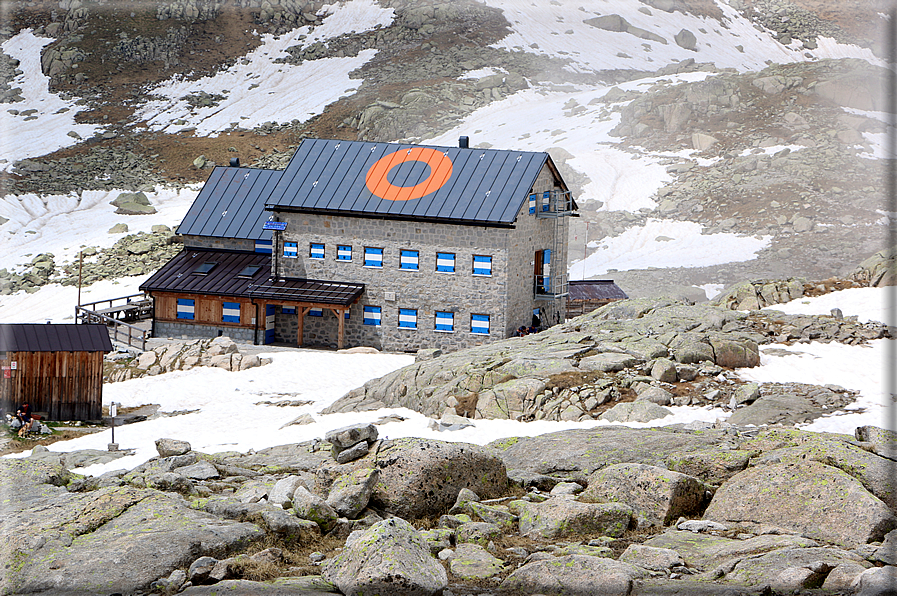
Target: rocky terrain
{"points": [[819, 198], [699, 509]]}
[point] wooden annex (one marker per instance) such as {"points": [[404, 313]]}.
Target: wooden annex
{"points": [[57, 369], [585, 296]]}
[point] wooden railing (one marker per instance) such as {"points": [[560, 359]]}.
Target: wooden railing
{"points": [[133, 308]]}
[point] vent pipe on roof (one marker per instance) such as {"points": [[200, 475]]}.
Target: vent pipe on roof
{"points": [[235, 162], [464, 142]]}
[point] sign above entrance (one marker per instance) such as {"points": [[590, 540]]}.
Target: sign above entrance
{"points": [[280, 226]]}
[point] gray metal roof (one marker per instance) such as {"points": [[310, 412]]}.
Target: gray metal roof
{"points": [[595, 289], [231, 204], [452, 184], [54, 338], [179, 276]]}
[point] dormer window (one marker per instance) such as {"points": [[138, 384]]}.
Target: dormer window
{"points": [[249, 271], [205, 268]]}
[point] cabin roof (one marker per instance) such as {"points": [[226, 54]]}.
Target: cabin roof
{"points": [[231, 204], [27, 337], [218, 273], [595, 289], [404, 181]]}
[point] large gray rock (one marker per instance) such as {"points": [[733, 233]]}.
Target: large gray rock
{"points": [[768, 567], [169, 447], [282, 492], [313, 508], [816, 500], [657, 496], [283, 586], [390, 557], [578, 453], [421, 477], [350, 493], [704, 551], [574, 575], [635, 411], [472, 561], [348, 436], [563, 516], [80, 537]]}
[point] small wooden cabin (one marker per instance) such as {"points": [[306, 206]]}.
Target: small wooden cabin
{"points": [[57, 369], [587, 295]]}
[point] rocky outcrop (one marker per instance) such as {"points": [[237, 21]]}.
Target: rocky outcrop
{"points": [[878, 270], [781, 514], [621, 362], [220, 352]]}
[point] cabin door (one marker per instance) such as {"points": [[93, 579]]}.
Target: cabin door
{"points": [[269, 323]]}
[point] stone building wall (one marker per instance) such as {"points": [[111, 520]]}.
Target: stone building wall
{"points": [[391, 288], [191, 330], [218, 243]]}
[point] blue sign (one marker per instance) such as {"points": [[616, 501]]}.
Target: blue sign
{"points": [[275, 225]]}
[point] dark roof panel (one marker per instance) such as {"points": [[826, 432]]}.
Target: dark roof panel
{"points": [[453, 184], [177, 275], [231, 204], [595, 289], [54, 338]]}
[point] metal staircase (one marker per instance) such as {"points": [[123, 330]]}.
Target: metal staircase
{"points": [[553, 284]]}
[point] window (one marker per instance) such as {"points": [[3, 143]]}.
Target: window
{"points": [[290, 250], [316, 312], [249, 271], [205, 268], [479, 324], [343, 253], [373, 257], [445, 321], [185, 308], [408, 318], [372, 315], [445, 262], [408, 259], [546, 200], [532, 203], [263, 246], [482, 265], [230, 312], [315, 251], [288, 310]]}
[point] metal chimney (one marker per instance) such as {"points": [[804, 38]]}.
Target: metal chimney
{"points": [[464, 142], [235, 162]]}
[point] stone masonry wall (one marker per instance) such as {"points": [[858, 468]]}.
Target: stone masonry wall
{"points": [[218, 243], [189, 330], [532, 234], [425, 290]]}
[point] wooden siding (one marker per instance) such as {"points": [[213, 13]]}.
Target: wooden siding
{"points": [[65, 385], [207, 310]]}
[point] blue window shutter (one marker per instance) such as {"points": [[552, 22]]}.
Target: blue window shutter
{"points": [[408, 259], [290, 250], [532, 203], [316, 251], [482, 265], [445, 321], [408, 318], [230, 312], [373, 257], [263, 246], [288, 310], [372, 315], [343, 253], [479, 324], [546, 270], [186, 308], [316, 312], [546, 200], [445, 262]]}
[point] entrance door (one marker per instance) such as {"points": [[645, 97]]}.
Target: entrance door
{"points": [[269, 323]]}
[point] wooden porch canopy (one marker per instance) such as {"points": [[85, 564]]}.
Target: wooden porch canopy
{"points": [[306, 294]]}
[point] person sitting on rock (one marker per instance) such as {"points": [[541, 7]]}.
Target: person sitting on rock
{"points": [[521, 331], [23, 414]]}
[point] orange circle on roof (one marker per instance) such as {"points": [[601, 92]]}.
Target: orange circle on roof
{"points": [[440, 171]]}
